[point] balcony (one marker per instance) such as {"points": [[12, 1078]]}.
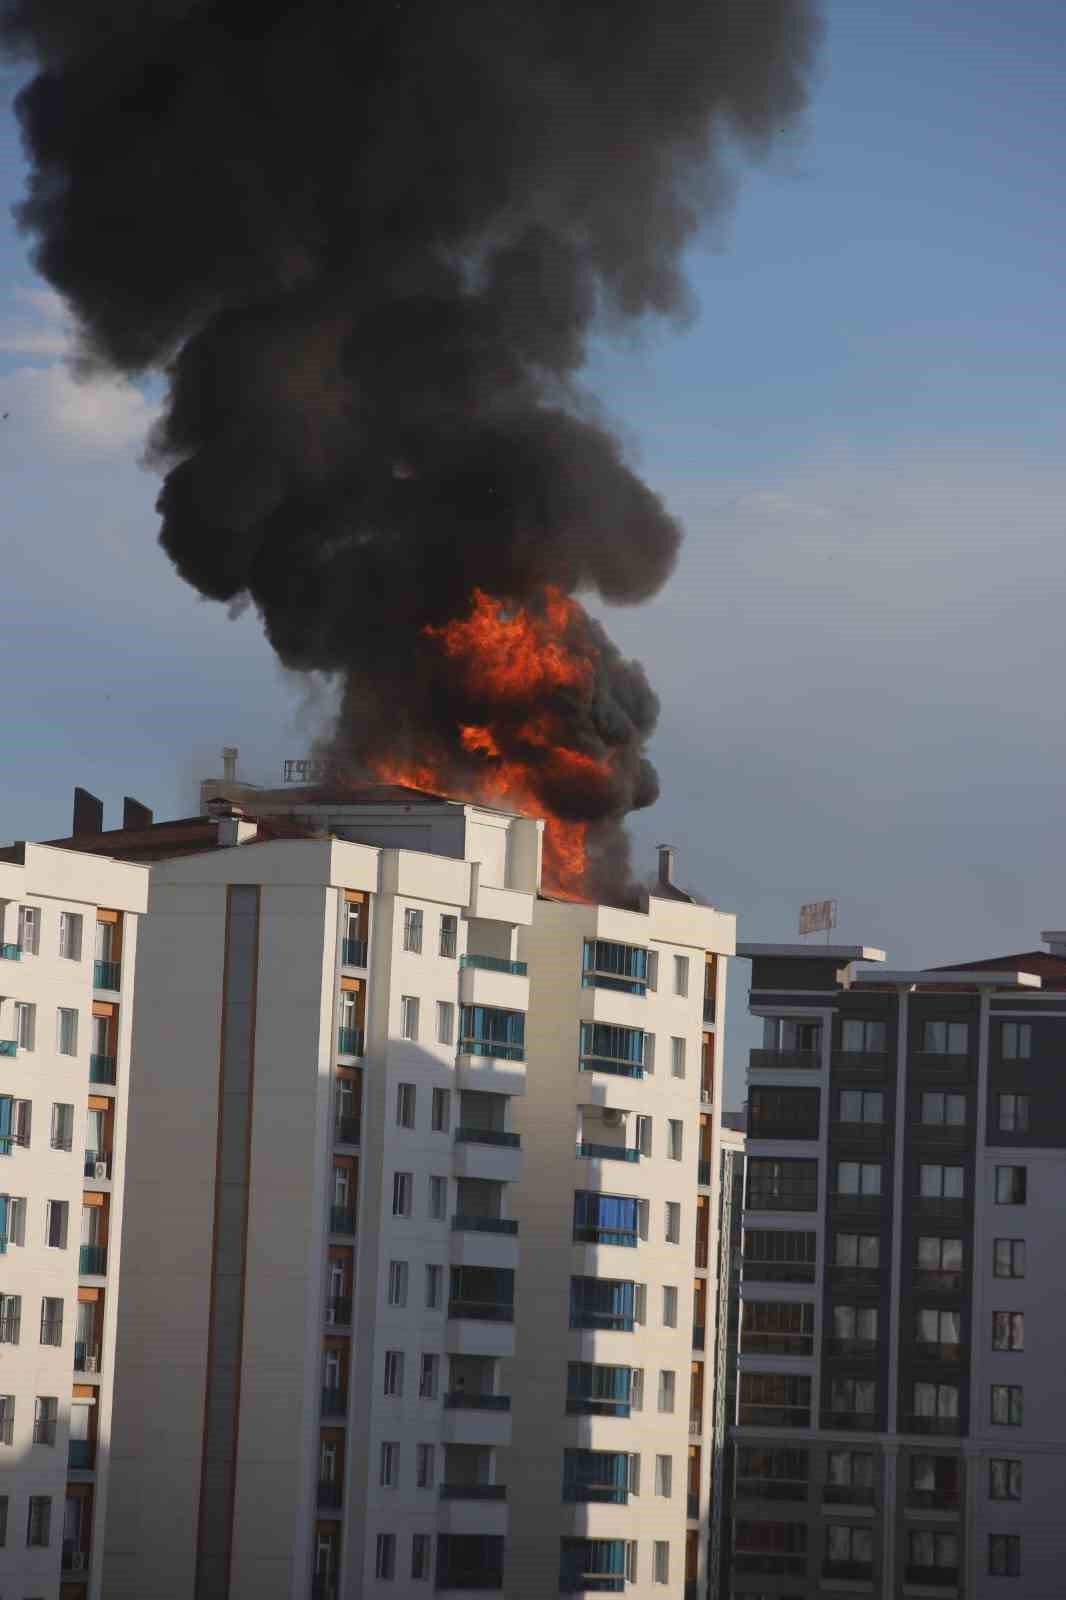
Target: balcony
{"points": [[861, 1571], [859, 1421], [703, 1173], [941, 1354], [473, 1491], [861, 1349], [948, 1069], [954, 1136], [794, 1489], [517, 969], [761, 1561], [493, 1136], [353, 952], [92, 1260], [934, 1500], [777, 1271], [692, 1507], [785, 1060], [98, 1164], [348, 1130], [754, 1343], [480, 1577], [339, 1310], [10, 952], [861, 1063], [870, 1135], [467, 1224], [342, 1220], [846, 1494], [81, 1455], [495, 1049], [101, 1069], [51, 1331], [8, 1047], [349, 1041], [854, 1277], [75, 1557], [946, 1427], [330, 1495], [482, 1310], [625, 1238], [86, 1357], [603, 1321], [934, 1577], [606, 1152], [466, 1400], [864, 1205], [107, 974], [616, 1069], [947, 1208], [699, 1336], [583, 1405], [783, 1196], [334, 1403]]}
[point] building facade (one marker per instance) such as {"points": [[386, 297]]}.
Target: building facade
{"points": [[418, 1278], [68, 939], [901, 1417]]}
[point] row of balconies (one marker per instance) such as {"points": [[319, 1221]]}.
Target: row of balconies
{"points": [[797, 1491], [766, 1563], [860, 1063]]}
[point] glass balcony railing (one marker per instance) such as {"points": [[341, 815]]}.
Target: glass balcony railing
{"points": [[606, 1152], [596, 1494], [497, 1136], [617, 1069], [466, 1400], [334, 1402], [341, 1219], [496, 1048], [348, 1130], [81, 1455], [92, 1260], [353, 952], [10, 952], [517, 969], [462, 1224], [350, 1041], [586, 1405], [106, 974], [482, 1310], [587, 1233], [615, 1321], [101, 1069]]}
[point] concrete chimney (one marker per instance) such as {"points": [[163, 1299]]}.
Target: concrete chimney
{"points": [[230, 752], [666, 865], [134, 815], [88, 813], [1055, 941]]}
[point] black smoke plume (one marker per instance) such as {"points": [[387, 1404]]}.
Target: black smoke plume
{"points": [[367, 244]]}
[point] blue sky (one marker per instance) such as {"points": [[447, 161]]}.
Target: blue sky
{"points": [[861, 654]]}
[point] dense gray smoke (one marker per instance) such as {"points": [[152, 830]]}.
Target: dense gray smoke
{"points": [[367, 244]]}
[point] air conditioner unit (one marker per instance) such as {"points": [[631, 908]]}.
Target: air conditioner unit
{"points": [[78, 1561], [90, 1363], [99, 1169], [613, 1118]]}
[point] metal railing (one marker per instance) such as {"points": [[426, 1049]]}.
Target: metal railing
{"points": [[783, 1196], [353, 952], [850, 1347], [482, 1310], [861, 1421], [465, 1400], [863, 1063], [848, 1569], [92, 1260], [865, 1133], [855, 1277], [868, 1204], [944, 1354], [777, 1271], [617, 1069], [350, 1041], [341, 1219], [348, 1130], [794, 1060], [101, 1069], [606, 1152], [934, 1499], [952, 1207], [754, 1342], [935, 1577], [760, 1416], [465, 1224], [494, 1136], [517, 969], [334, 1403], [473, 1491], [107, 974]]}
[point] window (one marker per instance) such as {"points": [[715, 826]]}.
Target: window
{"points": [[941, 1183], [10, 1318], [421, 1546], [661, 1563], [408, 1016], [412, 930], [664, 1476], [774, 1399], [70, 935], [428, 1377], [673, 1222], [7, 1418], [859, 1178], [681, 974], [449, 930], [425, 1455], [936, 1400], [441, 1112], [777, 1327], [677, 1057], [402, 1186], [644, 1135], [675, 1135], [29, 930], [855, 1325], [1004, 1555], [1010, 1186], [445, 1022], [786, 1034], [492, 1031], [938, 1333], [932, 1551], [1008, 1330], [636, 1389], [853, 1397], [1013, 1113], [1008, 1258], [945, 1038], [640, 1304], [25, 1024], [939, 1259], [45, 1417], [406, 1098], [666, 1391], [625, 1047], [62, 1127], [397, 1283], [385, 1557], [851, 1474], [857, 1250], [1016, 1041], [56, 1216], [1007, 1404], [779, 1255], [848, 1546], [1004, 1479], [39, 1519], [669, 1306], [12, 1219], [3, 1521], [941, 1110], [607, 965], [438, 1197], [434, 1280], [51, 1320], [783, 1113], [786, 1185], [861, 1105], [862, 1036], [389, 1475], [66, 1031], [394, 1372]]}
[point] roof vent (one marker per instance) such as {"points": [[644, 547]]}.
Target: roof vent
{"points": [[1055, 941]]}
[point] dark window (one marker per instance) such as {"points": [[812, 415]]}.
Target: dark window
{"points": [[931, 1551], [857, 1250], [935, 1482], [938, 1332], [608, 1303], [1016, 1041], [39, 1519], [860, 1105], [858, 1178], [777, 1327], [853, 1396], [1013, 1112], [1008, 1258], [774, 1399], [1004, 1555], [783, 1113], [782, 1185], [942, 1110], [1004, 1479], [608, 965], [605, 1218], [943, 1038], [939, 1259], [1007, 1404], [779, 1255], [758, 1466], [862, 1036], [1010, 1186], [1008, 1330], [847, 1546]]}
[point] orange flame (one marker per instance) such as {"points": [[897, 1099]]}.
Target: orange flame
{"points": [[505, 657]]}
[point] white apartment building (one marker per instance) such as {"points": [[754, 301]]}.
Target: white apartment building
{"points": [[68, 936], [401, 1129]]}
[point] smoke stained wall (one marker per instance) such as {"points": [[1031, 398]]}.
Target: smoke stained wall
{"points": [[367, 244]]}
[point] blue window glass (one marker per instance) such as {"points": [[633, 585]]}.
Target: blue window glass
{"points": [[597, 1390], [592, 1564], [602, 1303], [604, 1218], [491, 1031], [607, 965], [606, 1048], [595, 1476]]}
